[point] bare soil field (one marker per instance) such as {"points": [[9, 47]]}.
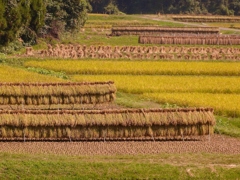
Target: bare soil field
{"points": [[217, 144]]}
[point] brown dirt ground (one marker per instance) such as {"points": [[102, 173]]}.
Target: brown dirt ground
{"points": [[217, 144]]}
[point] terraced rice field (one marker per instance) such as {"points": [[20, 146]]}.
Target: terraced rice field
{"points": [[11, 74], [211, 84], [139, 67], [224, 104], [214, 84], [171, 84]]}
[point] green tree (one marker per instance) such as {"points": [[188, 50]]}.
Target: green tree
{"points": [[37, 12], [76, 13], [13, 21], [3, 22], [190, 6], [34, 16], [235, 6], [112, 8], [65, 15], [224, 7], [19, 19], [99, 5]]}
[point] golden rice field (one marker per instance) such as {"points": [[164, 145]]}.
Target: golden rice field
{"points": [[139, 67], [171, 84], [224, 104], [221, 93], [201, 84], [10, 74]]}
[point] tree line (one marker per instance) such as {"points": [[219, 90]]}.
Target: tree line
{"points": [[28, 19], [220, 7]]}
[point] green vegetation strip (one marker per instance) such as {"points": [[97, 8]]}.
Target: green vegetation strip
{"points": [[163, 166], [228, 126], [107, 21], [61, 75], [138, 67]]}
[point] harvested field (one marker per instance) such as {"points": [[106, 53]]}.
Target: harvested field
{"points": [[121, 124], [138, 52], [191, 39], [226, 19], [56, 93], [217, 144], [154, 30]]}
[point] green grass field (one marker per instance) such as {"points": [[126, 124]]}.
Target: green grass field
{"points": [[107, 21], [141, 84], [98, 28], [162, 166]]}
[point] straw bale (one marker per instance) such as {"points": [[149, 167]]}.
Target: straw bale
{"points": [[3, 132], [205, 19], [190, 39], [123, 117], [56, 93], [148, 30], [126, 123], [5, 100]]}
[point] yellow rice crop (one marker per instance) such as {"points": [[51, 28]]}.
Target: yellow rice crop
{"points": [[10, 74], [221, 93], [224, 104], [142, 84], [217, 89], [139, 67]]}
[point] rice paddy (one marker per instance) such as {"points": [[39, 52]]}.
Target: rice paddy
{"points": [[11, 74], [96, 67], [172, 84], [211, 84]]}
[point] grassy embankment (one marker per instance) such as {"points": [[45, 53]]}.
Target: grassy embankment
{"points": [[163, 166]]}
